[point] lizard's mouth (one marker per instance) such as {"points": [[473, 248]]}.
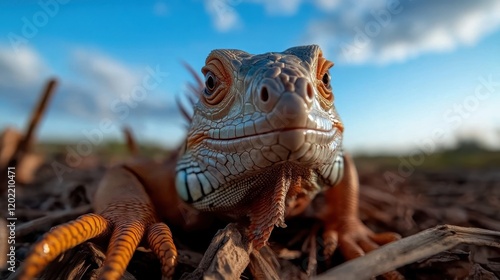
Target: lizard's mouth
{"points": [[263, 127], [284, 142], [274, 131], [304, 146]]}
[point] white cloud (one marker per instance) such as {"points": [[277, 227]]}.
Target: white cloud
{"points": [[280, 7], [106, 78], [106, 72], [20, 68], [22, 75], [225, 16], [83, 97], [106, 81], [223, 13], [381, 33], [292, 7], [97, 80], [327, 5]]}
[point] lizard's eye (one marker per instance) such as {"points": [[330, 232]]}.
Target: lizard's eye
{"points": [[217, 81], [210, 82], [326, 80], [324, 84]]}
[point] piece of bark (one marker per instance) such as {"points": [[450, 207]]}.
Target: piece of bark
{"points": [[312, 261], [189, 258], [27, 168], [36, 116], [226, 258], [479, 273], [286, 254], [411, 249], [25, 171], [79, 263], [132, 146], [9, 141], [264, 265], [291, 271]]}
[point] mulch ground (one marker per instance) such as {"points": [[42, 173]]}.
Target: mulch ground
{"points": [[412, 203]]}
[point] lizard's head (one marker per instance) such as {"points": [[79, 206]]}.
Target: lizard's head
{"points": [[259, 115]]}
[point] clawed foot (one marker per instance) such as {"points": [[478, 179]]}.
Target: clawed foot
{"points": [[125, 235], [354, 239]]}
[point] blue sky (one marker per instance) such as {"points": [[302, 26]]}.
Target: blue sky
{"points": [[407, 74]]}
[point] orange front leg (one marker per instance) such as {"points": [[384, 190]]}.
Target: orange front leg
{"points": [[126, 214], [343, 228]]}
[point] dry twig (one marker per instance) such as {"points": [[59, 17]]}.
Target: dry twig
{"points": [[410, 249]]}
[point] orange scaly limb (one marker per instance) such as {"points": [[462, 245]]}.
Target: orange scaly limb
{"points": [[343, 228], [60, 239], [127, 213], [161, 242]]}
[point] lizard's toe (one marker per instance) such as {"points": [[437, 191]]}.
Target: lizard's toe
{"points": [[330, 241], [359, 241], [159, 238], [354, 239], [122, 245], [61, 239], [351, 246], [385, 237]]}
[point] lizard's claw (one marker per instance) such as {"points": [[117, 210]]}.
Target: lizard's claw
{"points": [[126, 233], [354, 239], [60, 239]]}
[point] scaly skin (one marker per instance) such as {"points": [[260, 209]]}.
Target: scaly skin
{"points": [[264, 139]]}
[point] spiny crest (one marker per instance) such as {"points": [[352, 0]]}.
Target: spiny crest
{"points": [[192, 94]]}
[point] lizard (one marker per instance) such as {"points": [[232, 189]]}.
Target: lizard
{"points": [[264, 139]]}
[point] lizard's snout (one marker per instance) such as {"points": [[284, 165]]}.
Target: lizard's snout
{"points": [[270, 94]]}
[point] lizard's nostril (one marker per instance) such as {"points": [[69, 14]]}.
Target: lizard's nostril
{"points": [[310, 91], [264, 94]]}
